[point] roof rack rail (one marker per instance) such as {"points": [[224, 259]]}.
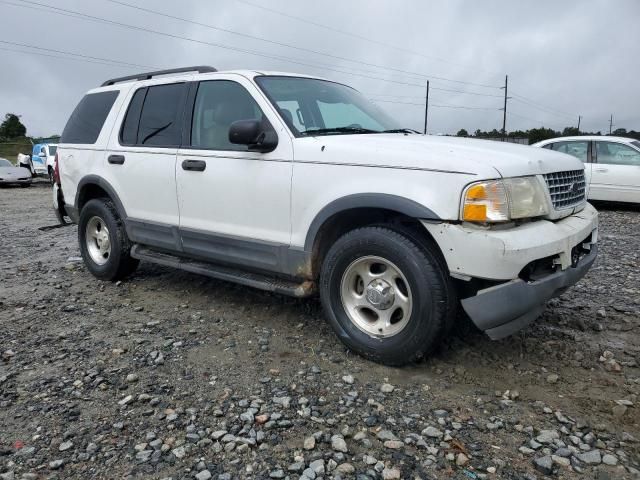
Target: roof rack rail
{"points": [[148, 75]]}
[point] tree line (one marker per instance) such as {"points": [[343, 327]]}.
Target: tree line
{"points": [[538, 134]]}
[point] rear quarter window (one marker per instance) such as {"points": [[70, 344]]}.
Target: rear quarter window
{"points": [[88, 118]]}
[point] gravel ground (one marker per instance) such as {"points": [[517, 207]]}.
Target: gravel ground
{"points": [[173, 375]]}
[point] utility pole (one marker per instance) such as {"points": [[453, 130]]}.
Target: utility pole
{"points": [[504, 111], [610, 123], [426, 109], [579, 118]]}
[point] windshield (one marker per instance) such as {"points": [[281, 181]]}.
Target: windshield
{"points": [[5, 163], [318, 107], [52, 150]]}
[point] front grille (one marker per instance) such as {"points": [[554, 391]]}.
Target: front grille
{"points": [[566, 188]]}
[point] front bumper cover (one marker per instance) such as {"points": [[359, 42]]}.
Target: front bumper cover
{"points": [[506, 308]]}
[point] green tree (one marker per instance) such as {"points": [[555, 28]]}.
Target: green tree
{"points": [[462, 133], [620, 132], [12, 127], [539, 134], [569, 131]]}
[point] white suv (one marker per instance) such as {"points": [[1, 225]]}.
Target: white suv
{"points": [[300, 185]]}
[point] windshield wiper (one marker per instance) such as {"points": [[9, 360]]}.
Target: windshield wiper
{"points": [[323, 131], [400, 130]]}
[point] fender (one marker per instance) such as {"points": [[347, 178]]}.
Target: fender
{"points": [[367, 200], [106, 186]]}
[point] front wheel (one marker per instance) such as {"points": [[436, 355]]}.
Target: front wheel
{"points": [[386, 297], [104, 244]]}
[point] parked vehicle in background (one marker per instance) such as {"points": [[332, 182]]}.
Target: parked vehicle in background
{"points": [[43, 158], [612, 164], [12, 175], [300, 185]]}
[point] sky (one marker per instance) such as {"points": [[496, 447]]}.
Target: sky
{"points": [[563, 59]]}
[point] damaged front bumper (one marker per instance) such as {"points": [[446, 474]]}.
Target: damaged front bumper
{"points": [[504, 309], [504, 260]]}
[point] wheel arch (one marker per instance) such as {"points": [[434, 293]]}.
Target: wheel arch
{"points": [[358, 210], [94, 186]]}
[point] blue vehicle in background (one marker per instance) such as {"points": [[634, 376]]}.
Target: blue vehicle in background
{"points": [[42, 158]]}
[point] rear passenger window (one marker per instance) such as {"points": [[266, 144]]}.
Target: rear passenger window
{"points": [[88, 118], [129, 132], [154, 116]]}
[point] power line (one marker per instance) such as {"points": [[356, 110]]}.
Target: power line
{"points": [[463, 107], [534, 120], [75, 14], [282, 44], [463, 92], [540, 106], [466, 93], [88, 57], [60, 57], [361, 37]]}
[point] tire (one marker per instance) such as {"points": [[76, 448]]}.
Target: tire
{"points": [[51, 176], [413, 270], [116, 263]]}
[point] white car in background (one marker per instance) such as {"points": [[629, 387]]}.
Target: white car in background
{"points": [[612, 164]]}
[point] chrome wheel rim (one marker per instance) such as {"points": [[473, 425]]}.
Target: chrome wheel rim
{"points": [[97, 240], [376, 296]]}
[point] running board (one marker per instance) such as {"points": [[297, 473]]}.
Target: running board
{"points": [[255, 280]]}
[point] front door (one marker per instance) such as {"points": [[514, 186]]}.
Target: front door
{"points": [[616, 173], [234, 203]]}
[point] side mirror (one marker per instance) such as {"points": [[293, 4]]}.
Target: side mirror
{"points": [[42, 155], [252, 134]]}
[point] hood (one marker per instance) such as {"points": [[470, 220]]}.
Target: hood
{"points": [[14, 172], [484, 158]]}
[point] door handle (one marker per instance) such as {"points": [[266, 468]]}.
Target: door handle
{"points": [[116, 159], [194, 165], [602, 169]]}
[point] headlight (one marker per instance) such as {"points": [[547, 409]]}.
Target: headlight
{"points": [[494, 201]]}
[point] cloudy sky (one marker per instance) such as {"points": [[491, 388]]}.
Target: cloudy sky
{"points": [[563, 59]]}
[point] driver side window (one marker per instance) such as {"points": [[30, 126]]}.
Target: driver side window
{"points": [[218, 104]]}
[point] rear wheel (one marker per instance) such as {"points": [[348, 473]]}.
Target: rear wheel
{"points": [[103, 240], [51, 181], [385, 295]]}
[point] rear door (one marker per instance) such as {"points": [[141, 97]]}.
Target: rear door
{"points": [[141, 162], [234, 203], [616, 173]]}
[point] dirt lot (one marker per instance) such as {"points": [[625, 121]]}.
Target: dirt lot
{"points": [[172, 375]]}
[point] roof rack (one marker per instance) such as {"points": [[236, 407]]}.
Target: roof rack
{"points": [[148, 75]]}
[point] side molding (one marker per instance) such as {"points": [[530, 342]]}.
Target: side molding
{"points": [[367, 200]]}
